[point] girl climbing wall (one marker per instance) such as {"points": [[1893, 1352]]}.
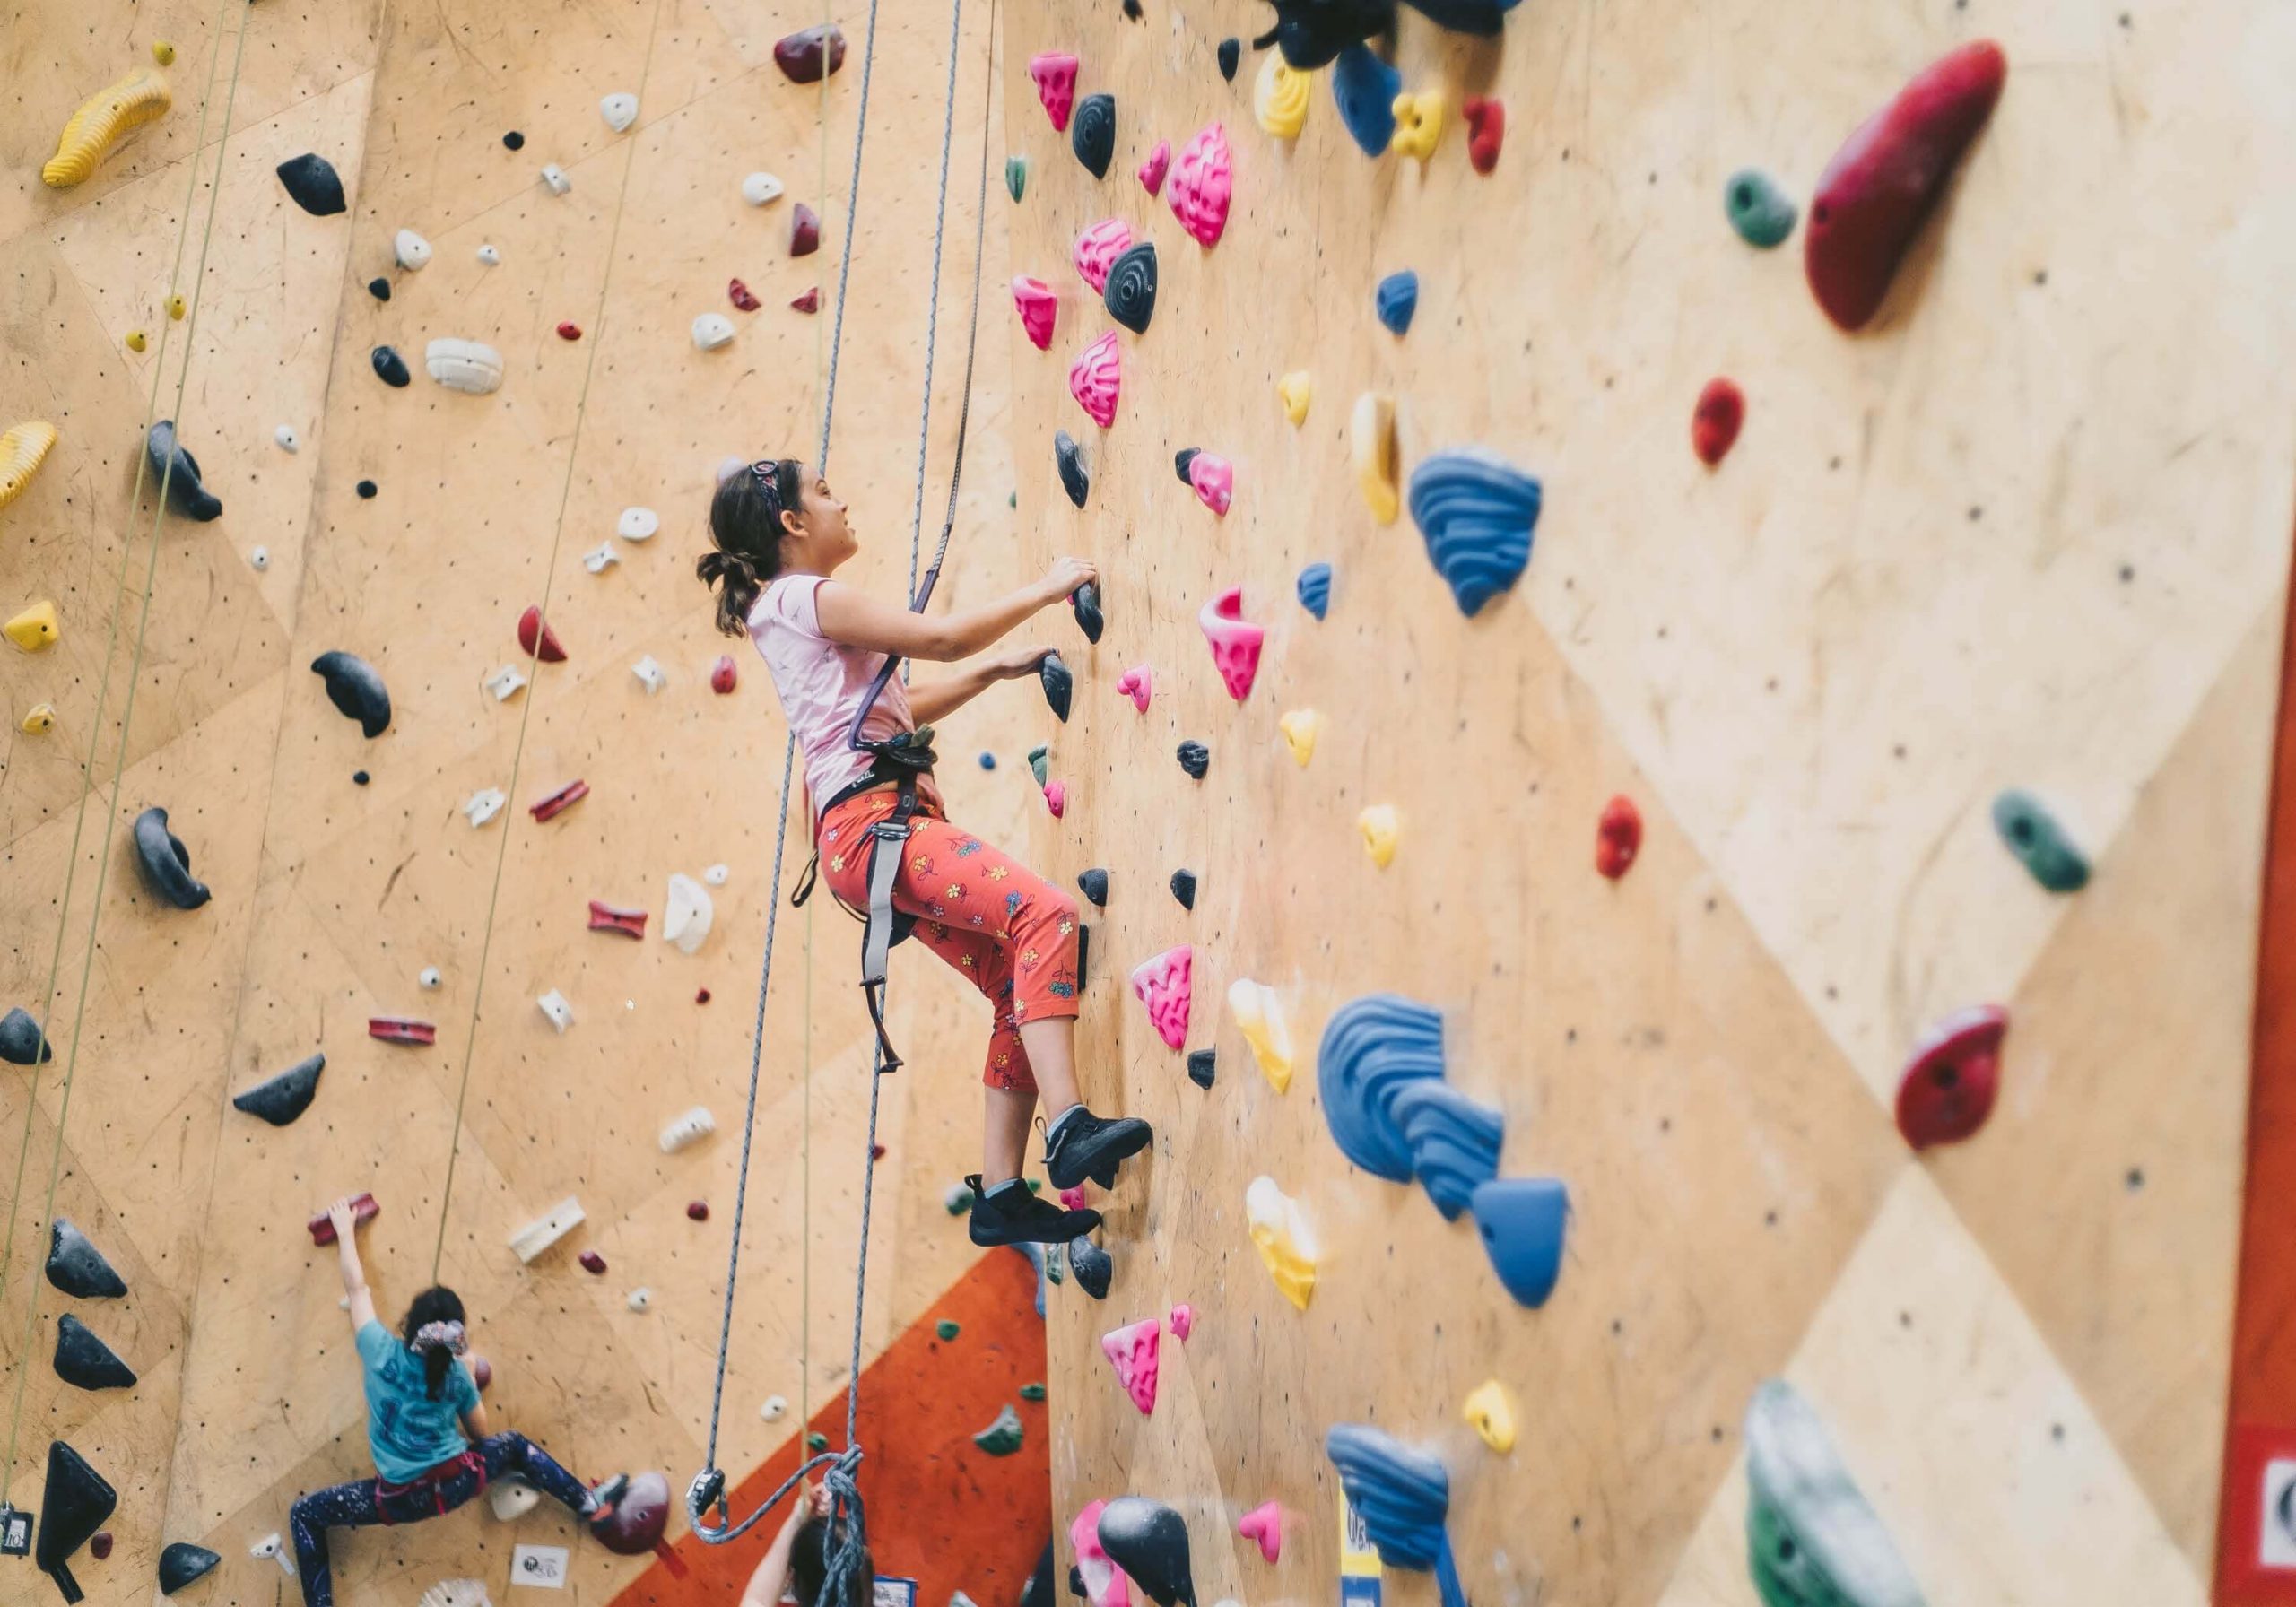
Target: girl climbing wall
{"points": [[780, 534], [797, 1563]]}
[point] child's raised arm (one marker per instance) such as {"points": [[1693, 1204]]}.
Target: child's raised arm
{"points": [[345, 1215], [853, 619]]}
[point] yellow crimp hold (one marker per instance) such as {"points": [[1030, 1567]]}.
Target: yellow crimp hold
{"points": [[41, 718], [135, 342], [174, 308], [163, 53], [1296, 390], [1371, 445], [1492, 1413], [1259, 1013], [1300, 728], [1419, 124], [1380, 825], [21, 450], [34, 629], [140, 98], [1280, 97], [1283, 1238]]}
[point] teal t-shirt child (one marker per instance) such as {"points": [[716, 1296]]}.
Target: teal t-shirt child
{"points": [[409, 1432]]}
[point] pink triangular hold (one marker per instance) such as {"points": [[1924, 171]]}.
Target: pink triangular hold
{"points": [[1264, 1524], [1095, 377], [1164, 985], [1134, 683], [1215, 480], [1235, 641], [1201, 183], [1151, 172], [1055, 77], [1105, 1584], [1038, 308], [1132, 1350], [1182, 1322], [1097, 250]]}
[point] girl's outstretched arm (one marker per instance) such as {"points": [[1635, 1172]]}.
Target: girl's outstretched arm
{"points": [[346, 1255], [853, 619], [772, 1576], [933, 700]]}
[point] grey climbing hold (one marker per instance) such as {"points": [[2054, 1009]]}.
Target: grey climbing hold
{"points": [[1762, 212], [1203, 1065], [1069, 458], [1091, 1267], [1232, 55], [1810, 1535], [1040, 763], [280, 1099], [390, 367], [2029, 831], [1149, 1540], [1195, 759], [77, 1268], [20, 1042], [1059, 685], [84, 1362], [312, 184], [1085, 603], [1094, 885], [73, 1504], [1093, 135], [166, 861], [1184, 888], [1130, 295], [354, 687], [177, 470], [182, 1563]]}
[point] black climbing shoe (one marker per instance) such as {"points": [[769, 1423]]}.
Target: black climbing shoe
{"points": [[604, 1497], [1014, 1216], [1092, 1146]]}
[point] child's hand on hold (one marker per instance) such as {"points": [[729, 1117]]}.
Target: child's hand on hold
{"points": [[1011, 664], [1066, 574], [345, 1217]]}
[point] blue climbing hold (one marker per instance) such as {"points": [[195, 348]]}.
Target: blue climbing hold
{"points": [[1403, 1496], [1373, 1048], [1522, 1220], [1477, 513], [1365, 87], [1315, 589], [1454, 1142], [987, 760], [1397, 299]]}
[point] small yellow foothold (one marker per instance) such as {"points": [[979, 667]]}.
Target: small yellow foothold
{"points": [[1419, 124], [1300, 728], [1492, 1413], [135, 342], [34, 629], [1280, 97], [1296, 390], [41, 718], [163, 53], [1371, 444], [22, 449], [1259, 1013], [1380, 825], [103, 118], [174, 308], [1284, 1243]]}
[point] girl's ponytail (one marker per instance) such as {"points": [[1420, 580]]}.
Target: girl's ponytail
{"points": [[745, 528], [433, 1331]]}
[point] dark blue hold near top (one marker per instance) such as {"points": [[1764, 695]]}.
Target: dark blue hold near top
{"points": [[1365, 89], [1522, 1221], [1315, 589], [1396, 299], [1403, 1496]]}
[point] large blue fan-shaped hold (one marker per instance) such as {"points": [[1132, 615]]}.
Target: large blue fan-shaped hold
{"points": [[1403, 1496], [1374, 1048], [1454, 1142], [1476, 512], [1365, 87], [1522, 1221]]}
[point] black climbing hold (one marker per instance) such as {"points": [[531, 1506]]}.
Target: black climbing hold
{"points": [[1180, 460], [179, 472], [1130, 295], [21, 1043], [366, 489], [1093, 135], [183, 1562], [1184, 888], [84, 1362], [280, 1099], [74, 1505], [1076, 1584], [1201, 1065], [1059, 685], [1195, 759], [1086, 603], [1132, 9], [1232, 55], [77, 1268], [1149, 1540], [359, 778], [353, 687], [380, 289], [313, 184], [1093, 1267], [166, 861], [514, 140], [1069, 457], [1094, 884], [391, 368]]}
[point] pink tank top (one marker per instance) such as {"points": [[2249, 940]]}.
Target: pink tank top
{"points": [[821, 682]]}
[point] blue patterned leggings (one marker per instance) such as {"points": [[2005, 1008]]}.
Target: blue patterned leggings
{"points": [[367, 1502]]}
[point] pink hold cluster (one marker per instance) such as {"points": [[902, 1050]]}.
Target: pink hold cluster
{"points": [[1133, 1350], [1264, 1524], [1201, 184], [1095, 377], [1235, 641], [1055, 73], [1182, 1322], [1097, 250], [1038, 308], [1056, 798], [1134, 683], [1214, 479], [1105, 1584], [1151, 172], [1165, 984]]}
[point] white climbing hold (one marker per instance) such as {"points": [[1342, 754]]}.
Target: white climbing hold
{"points": [[716, 873], [270, 1546], [505, 683], [467, 1592], [490, 256], [685, 922], [957, 1598], [555, 178], [547, 1229], [471, 367], [727, 467], [620, 111], [690, 1128], [641, 1299], [761, 189], [260, 557], [649, 675], [598, 561], [511, 1498], [774, 1409], [712, 330], [554, 1005], [289, 441], [430, 977], [637, 523], [484, 805], [411, 249]]}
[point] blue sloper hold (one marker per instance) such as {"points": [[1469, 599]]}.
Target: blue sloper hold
{"points": [[1315, 589], [1477, 514], [1365, 87], [1522, 1221], [1396, 299], [390, 367], [1403, 1496], [312, 183], [1454, 1142], [356, 689], [166, 861], [1059, 685], [21, 1042], [1374, 1048]]}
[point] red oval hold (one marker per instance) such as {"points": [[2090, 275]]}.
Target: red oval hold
{"points": [[594, 1264], [1487, 131], [536, 640], [723, 674], [570, 331], [1949, 1084], [1715, 421], [741, 295], [1618, 837], [697, 1211]]}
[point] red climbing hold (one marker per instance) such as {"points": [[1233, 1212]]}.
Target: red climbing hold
{"points": [[593, 1263], [536, 640], [805, 231], [99, 1544], [811, 301], [1487, 131], [701, 995], [1950, 1082], [558, 803], [697, 1211], [607, 917], [876, 1151], [810, 55], [570, 331], [400, 1029], [1715, 421], [1618, 837], [723, 676], [1887, 176], [363, 1209], [741, 295]]}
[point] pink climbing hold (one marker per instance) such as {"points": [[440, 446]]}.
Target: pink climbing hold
{"points": [[1163, 984], [805, 231], [570, 331], [1095, 377], [611, 917], [1214, 479], [1235, 641], [1617, 838], [1201, 185], [1264, 1524], [1132, 1349], [1055, 73], [1097, 250], [1056, 798], [1153, 170], [1074, 1198], [1182, 1321], [1105, 1584], [723, 676], [1134, 683], [1038, 307]]}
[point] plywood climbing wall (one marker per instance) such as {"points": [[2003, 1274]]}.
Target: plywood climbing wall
{"points": [[2030, 529]]}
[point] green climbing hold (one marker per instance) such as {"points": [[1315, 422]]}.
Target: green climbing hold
{"points": [[946, 1328], [1040, 764], [957, 1200], [1016, 174], [817, 1442], [2034, 836], [1032, 1392], [1812, 1539], [1003, 1437], [1763, 214]]}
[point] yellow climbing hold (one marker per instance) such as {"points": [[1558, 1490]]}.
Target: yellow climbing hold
{"points": [[1300, 728], [1259, 1012], [1296, 390], [1419, 124], [1280, 97], [33, 629], [1492, 1413], [1380, 825], [41, 718], [135, 342], [1371, 445], [21, 450], [1284, 1243], [103, 118], [163, 53], [174, 308]]}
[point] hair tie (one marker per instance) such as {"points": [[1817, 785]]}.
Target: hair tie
{"points": [[433, 1336]]}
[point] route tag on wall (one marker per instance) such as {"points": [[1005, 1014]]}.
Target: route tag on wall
{"points": [[895, 1592], [15, 1533], [1359, 1563], [543, 1567]]}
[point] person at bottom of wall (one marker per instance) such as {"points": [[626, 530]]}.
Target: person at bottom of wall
{"points": [[425, 1427], [779, 535], [798, 1562]]}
